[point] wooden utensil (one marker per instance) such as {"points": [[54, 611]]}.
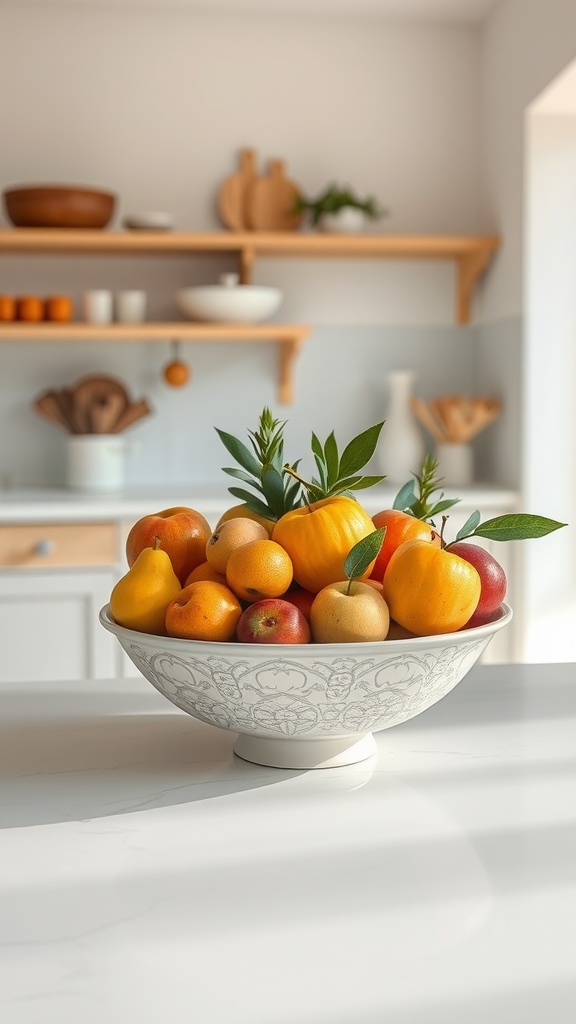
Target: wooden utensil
{"points": [[456, 419], [48, 405], [66, 402], [134, 412], [88, 392], [104, 413], [272, 200], [232, 197]]}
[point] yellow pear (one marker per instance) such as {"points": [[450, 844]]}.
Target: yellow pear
{"points": [[349, 612], [140, 599]]}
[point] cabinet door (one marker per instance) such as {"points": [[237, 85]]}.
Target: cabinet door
{"points": [[50, 628]]}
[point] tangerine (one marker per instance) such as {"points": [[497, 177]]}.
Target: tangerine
{"points": [[204, 571], [400, 528], [204, 610], [258, 570], [176, 373]]}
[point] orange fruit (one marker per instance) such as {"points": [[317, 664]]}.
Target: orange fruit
{"points": [[204, 571], [429, 590], [319, 537], [176, 373], [230, 536], [204, 610], [259, 569], [400, 528], [244, 512], [341, 614], [183, 533]]}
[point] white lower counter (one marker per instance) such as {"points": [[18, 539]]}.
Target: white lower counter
{"points": [[148, 874]]}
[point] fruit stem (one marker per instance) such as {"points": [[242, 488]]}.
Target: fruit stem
{"points": [[156, 543], [292, 472], [443, 543]]}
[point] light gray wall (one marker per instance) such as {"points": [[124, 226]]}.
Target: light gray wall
{"points": [[156, 104]]}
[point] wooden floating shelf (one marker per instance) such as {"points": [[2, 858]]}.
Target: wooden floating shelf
{"points": [[471, 254], [289, 338]]}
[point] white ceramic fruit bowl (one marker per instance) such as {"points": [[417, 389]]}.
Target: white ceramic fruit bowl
{"points": [[229, 302], [305, 705]]}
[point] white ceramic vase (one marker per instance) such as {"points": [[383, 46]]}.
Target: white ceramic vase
{"points": [[401, 448]]}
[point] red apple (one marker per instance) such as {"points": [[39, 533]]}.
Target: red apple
{"points": [[183, 534], [492, 579], [301, 598], [273, 621]]}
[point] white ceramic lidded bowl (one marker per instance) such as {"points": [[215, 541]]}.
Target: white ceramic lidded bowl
{"points": [[305, 705], [229, 301]]}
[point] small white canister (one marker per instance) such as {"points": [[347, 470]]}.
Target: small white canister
{"points": [[96, 462], [455, 463]]}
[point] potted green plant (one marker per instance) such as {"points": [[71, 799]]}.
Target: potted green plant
{"points": [[339, 209]]}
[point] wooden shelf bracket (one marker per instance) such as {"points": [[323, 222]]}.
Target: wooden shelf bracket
{"points": [[469, 268]]}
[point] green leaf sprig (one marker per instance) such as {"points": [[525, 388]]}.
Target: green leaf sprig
{"points": [[360, 556], [512, 526], [340, 474], [262, 469], [418, 503]]}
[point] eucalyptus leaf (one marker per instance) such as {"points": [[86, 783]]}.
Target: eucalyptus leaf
{"points": [[331, 458], [239, 452], [364, 552], [238, 474], [405, 497], [441, 506], [360, 450], [517, 526], [253, 503], [469, 526], [273, 488], [367, 481]]}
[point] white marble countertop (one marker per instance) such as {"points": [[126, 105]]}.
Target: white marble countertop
{"points": [[148, 874], [45, 504]]}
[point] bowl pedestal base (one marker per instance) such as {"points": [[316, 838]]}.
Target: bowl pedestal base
{"points": [[294, 753]]}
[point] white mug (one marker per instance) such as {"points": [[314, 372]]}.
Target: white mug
{"points": [[130, 307], [98, 306]]}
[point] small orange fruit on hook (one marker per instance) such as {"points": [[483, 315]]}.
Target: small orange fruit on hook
{"points": [[176, 373]]}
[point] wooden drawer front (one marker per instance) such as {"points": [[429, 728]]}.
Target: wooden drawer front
{"points": [[58, 544]]}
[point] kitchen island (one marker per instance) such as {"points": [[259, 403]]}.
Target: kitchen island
{"points": [[147, 873]]}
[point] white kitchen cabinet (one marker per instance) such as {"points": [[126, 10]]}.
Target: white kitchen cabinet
{"points": [[54, 578], [50, 628]]}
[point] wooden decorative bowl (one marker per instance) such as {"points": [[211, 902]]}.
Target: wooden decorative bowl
{"points": [[58, 206]]}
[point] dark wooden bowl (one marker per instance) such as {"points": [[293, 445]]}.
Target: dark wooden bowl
{"points": [[58, 206]]}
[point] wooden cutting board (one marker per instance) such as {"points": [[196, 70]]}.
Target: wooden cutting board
{"points": [[233, 192], [271, 200]]}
